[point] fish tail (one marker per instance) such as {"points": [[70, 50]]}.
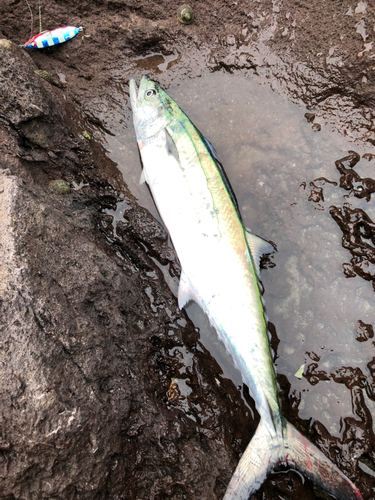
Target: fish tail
{"points": [[253, 467], [307, 458], [263, 453]]}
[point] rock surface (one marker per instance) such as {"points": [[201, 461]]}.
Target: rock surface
{"points": [[91, 338]]}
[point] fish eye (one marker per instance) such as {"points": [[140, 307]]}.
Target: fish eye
{"points": [[150, 93]]}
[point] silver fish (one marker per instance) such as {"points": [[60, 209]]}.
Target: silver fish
{"points": [[220, 269]]}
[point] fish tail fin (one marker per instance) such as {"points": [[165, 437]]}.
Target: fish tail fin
{"points": [[253, 467], [308, 459], [263, 453]]}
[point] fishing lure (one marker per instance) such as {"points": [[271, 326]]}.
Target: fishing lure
{"points": [[54, 37]]}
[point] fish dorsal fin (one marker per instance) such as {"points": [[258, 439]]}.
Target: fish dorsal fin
{"points": [[258, 247], [185, 293], [142, 180]]}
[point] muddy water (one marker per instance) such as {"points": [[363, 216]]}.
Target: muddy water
{"points": [[281, 166]]}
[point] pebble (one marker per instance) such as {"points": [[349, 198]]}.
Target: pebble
{"points": [[60, 187]]}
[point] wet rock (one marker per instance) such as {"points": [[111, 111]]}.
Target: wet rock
{"points": [[23, 98], [364, 332], [313, 375], [317, 127], [316, 194], [351, 377], [357, 227], [92, 335], [310, 117], [351, 180]]}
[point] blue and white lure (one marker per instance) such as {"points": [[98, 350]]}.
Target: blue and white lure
{"points": [[53, 37]]}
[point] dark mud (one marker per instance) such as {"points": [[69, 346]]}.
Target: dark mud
{"points": [[106, 391]]}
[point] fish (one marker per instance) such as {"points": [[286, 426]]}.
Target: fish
{"points": [[220, 261], [54, 37]]}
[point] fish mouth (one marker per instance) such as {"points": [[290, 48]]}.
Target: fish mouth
{"points": [[133, 94], [135, 91]]}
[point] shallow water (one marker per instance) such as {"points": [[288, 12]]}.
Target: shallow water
{"points": [[271, 153]]}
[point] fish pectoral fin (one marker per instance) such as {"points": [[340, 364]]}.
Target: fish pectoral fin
{"points": [[142, 180], [258, 247], [185, 293], [171, 146]]}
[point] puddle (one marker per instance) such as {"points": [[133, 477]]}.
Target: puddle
{"points": [[281, 166]]}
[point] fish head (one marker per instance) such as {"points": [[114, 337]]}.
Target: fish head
{"points": [[152, 108]]}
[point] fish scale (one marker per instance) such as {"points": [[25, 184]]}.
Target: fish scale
{"points": [[220, 269]]}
